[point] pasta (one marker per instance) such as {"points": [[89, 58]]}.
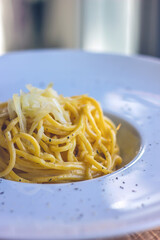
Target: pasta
{"points": [[49, 138]]}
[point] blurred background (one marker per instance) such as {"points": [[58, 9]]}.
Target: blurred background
{"points": [[125, 26]]}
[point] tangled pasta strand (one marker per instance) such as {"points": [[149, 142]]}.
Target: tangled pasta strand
{"points": [[48, 138]]}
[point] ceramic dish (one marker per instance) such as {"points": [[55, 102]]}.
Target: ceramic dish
{"points": [[122, 202]]}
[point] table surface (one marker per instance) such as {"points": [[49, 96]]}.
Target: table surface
{"points": [[148, 235]]}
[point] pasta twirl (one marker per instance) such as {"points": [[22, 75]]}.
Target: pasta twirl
{"points": [[48, 138]]}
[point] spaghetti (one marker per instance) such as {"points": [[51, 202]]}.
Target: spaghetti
{"points": [[48, 138]]}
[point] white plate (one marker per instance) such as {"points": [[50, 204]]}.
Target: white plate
{"points": [[123, 202]]}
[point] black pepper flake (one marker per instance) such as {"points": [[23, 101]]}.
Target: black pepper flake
{"points": [[76, 188], [103, 190], [123, 182], [68, 137], [136, 185], [59, 189], [1, 193], [50, 140], [121, 187], [50, 179], [97, 152], [116, 178], [133, 190], [80, 216], [19, 180], [2, 203]]}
